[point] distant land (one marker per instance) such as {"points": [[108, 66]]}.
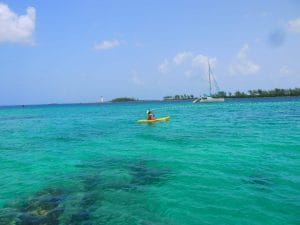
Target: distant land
{"points": [[124, 99], [127, 99], [277, 92]]}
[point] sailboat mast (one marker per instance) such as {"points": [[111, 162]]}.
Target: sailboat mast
{"points": [[209, 78]]}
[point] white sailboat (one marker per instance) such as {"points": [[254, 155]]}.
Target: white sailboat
{"points": [[101, 99], [209, 98]]}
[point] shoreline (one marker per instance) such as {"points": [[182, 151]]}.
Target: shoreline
{"points": [[136, 101]]}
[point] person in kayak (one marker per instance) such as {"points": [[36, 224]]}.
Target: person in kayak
{"points": [[150, 115]]}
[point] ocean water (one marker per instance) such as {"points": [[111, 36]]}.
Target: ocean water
{"points": [[236, 162]]}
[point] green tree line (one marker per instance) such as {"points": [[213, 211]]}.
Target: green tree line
{"points": [[179, 97], [277, 92], [124, 99]]}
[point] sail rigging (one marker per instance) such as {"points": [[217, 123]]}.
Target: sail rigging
{"points": [[209, 98]]}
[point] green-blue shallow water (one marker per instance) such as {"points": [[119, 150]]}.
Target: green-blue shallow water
{"points": [[236, 162]]}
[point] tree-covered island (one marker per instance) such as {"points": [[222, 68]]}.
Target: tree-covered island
{"points": [[124, 99], [277, 92]]}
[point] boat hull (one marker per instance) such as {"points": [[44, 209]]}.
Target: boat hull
{"points": [[208, 100]]}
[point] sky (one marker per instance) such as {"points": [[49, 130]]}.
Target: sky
{"points": [[75, 51]]}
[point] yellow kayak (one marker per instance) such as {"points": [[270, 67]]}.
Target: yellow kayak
{"points": [[160, 119]]}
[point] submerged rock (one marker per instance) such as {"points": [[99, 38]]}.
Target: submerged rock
{"points": [[43, 208], [43, 202], [90, 182], [88, 200], [80, 216], [29, 219], [144, 174], [116, 174], [8, 216]]}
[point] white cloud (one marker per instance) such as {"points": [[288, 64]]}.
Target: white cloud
{"points": [[202, 62], [188, 73], [164, 67], [14, 28], [107, 44], [284, 70], [294, 25], [137, 81], [242, 64], [181, 58], [187, 62]]}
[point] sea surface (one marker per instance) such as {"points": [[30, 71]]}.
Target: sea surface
{"points": [[232, 163]]}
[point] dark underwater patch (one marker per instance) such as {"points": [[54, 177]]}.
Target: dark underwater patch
{"points": [[7, 216], [140, 171], [53, 206], [80, 217], [88, 200], [43, 208], [144, 174], [258, 181], [90, 182]]}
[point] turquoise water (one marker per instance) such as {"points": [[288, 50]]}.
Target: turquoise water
{"points": [[236, 162]]}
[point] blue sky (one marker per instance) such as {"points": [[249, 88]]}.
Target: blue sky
{"points": [[76, 51]]}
